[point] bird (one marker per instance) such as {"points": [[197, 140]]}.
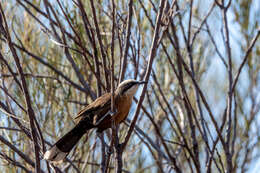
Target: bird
{"points": [[97, 115]]}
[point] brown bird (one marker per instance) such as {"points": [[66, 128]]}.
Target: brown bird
{"points": [[96, 115]]}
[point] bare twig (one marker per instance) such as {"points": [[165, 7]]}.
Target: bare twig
{"points": [[30, 111], [16, 150], [103, 55], [249, 50], [148, 70], [13, 162], [127, 42]]}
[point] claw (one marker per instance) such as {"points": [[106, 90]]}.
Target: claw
{"points": [[112, 113]]}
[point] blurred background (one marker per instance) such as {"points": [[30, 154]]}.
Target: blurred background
{"points": [[201, 107]]}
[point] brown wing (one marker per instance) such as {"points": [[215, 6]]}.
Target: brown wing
{"points": [[100, 106]]}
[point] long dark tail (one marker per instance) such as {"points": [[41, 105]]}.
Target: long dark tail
{"points": [[64, 145]]}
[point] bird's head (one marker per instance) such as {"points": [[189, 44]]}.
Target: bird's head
{"points": [[128, 87]]}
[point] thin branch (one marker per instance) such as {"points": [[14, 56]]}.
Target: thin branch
{"points": [[30, 111], [249, 50], [152, 54], [16, 150], [230, 97], [103, 55], [13, 162], [202, 23], [127, 42]]}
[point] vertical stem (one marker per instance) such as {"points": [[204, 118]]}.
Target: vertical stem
{"points": [[153, 50], [230, 79], [127, 43], [118, 155]]}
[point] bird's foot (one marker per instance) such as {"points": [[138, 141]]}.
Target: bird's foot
{"points": [[112, 113]]}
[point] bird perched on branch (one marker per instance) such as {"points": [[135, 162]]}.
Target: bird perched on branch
{"points": [[96, 115]]}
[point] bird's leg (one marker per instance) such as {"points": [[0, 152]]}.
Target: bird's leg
{"points": [[110, 112], [102, 118]]}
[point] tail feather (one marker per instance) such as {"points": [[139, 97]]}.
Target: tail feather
{"points": [[55, 155], [63, 146]]}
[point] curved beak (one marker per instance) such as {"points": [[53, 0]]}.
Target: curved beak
{"points": [[142, 82]]}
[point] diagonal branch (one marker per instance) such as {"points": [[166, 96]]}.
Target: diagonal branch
{"points": [[249, 50]]}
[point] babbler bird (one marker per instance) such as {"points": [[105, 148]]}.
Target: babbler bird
{"points": [[96, 115]]}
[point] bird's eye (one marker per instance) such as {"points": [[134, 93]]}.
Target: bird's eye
{"points": [[128, 87]]}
